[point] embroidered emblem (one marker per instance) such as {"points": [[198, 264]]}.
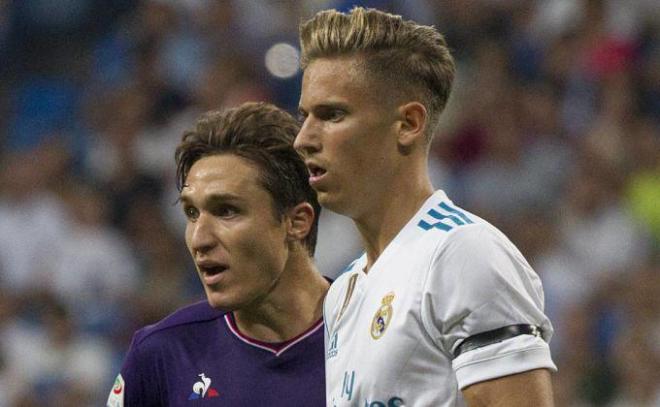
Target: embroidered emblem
{"points": [[383, 316], [116, 397], [202, 389]]}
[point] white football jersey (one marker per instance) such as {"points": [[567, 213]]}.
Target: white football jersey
{"points": [[391, 334]]}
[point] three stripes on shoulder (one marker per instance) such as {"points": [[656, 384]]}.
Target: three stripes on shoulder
{"points": [[445, 218]]}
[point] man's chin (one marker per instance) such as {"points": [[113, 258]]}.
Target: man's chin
{"points": [[221, 303], [333, 203], [327, 200]]}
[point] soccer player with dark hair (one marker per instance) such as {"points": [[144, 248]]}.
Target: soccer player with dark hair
{"points": [[442, 309], [251, 230]]}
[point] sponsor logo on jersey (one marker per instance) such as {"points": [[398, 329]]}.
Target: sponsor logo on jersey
{"points": [[382, 317], [202, 389], [392, 402], [332, 349], [116, 397]]}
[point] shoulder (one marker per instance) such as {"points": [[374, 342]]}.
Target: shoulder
{"points": [[476, 261], [158, 350], [480, 238], [443, 222], [195, 314], [440, 224], [458, 245], [476, 265], [446, 230], [476, 240]]}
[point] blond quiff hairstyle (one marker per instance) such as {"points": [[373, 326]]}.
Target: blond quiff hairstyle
{"points": [[404, 55]]}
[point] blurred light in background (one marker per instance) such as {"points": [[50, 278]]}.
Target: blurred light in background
{"points": [[282, 60]]}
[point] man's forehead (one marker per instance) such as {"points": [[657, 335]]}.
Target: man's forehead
{"points": [[221, 174], [329, 80]]}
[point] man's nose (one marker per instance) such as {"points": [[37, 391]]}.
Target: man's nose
{"points": [[308, 139], [203, 237]]}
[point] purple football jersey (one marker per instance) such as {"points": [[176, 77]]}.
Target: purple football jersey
{"points": [[198, 357]]}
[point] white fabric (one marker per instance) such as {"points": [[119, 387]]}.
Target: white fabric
{"points": [[443, 286]]}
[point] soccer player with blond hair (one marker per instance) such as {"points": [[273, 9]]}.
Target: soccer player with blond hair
{"points": [[442, 309]]}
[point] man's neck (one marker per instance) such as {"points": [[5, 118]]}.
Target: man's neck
{"points": [[381, 224], [294, 305]]}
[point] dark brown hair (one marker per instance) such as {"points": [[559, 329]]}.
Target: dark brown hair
{"points": [[262, 134]]}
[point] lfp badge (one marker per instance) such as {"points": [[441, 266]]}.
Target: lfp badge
{"points": [[116, 397], [383, 316]]}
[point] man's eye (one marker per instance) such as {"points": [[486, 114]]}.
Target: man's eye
{"points": [[191, 212], [225, 211], [335, 115]]}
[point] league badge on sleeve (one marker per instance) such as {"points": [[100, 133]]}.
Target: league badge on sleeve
{"points": [[116, 398], [383, 316]]}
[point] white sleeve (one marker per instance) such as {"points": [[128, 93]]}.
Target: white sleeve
{"points": [[480, 282]]}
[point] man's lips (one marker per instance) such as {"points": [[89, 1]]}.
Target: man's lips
{"points": [[316, 172], [211, 272]]}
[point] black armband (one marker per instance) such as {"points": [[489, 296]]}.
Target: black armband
{"points": [[497, 335]]}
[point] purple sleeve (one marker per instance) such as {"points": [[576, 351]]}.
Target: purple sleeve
{"points": [[140, 376]]}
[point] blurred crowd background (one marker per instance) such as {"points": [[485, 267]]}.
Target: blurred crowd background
{"points": [[552, 134]]}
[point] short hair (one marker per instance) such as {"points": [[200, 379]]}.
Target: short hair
{"points": [[402, 54], [262, 134]]}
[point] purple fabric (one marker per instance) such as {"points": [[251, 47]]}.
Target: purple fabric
{"points": [[165, 363]]}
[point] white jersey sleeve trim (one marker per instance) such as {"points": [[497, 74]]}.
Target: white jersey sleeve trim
{"points": [[516, 355]]}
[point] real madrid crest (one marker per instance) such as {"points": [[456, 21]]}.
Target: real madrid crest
{"points": [[383, 316]]}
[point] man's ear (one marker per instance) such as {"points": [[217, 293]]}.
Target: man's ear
{"points": [[413, 119], [300, 221]]}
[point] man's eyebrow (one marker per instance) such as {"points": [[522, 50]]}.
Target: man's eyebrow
{"points": [[324, 107], [330, 104], [212, 198], [222, 197], [182, 197]]}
